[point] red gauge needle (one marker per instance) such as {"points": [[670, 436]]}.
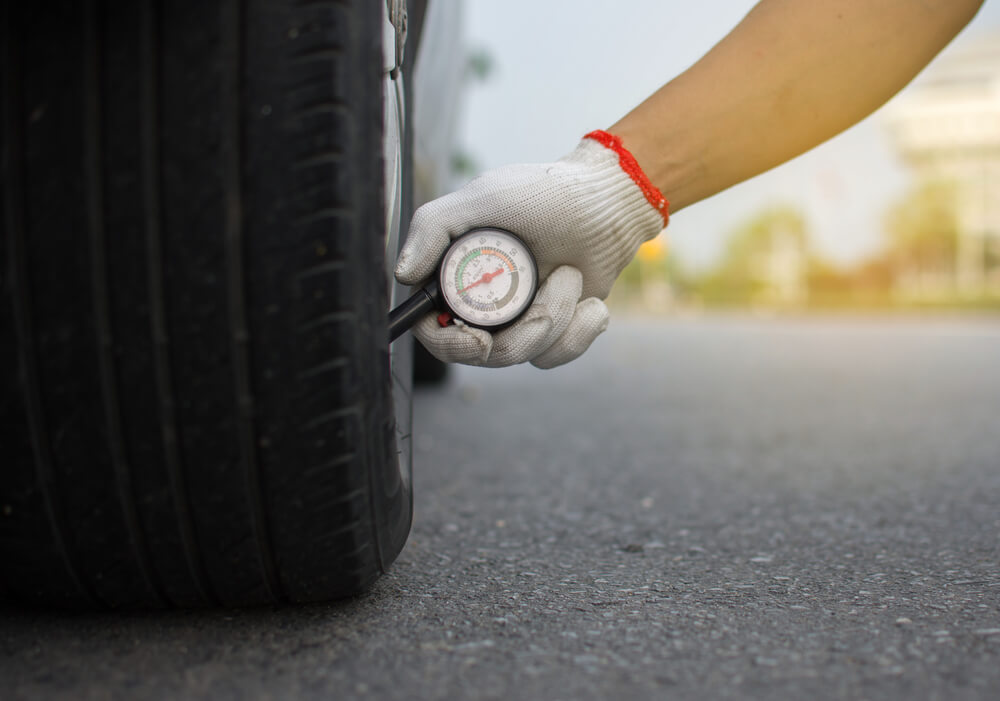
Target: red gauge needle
{"points": [[485, 278]]}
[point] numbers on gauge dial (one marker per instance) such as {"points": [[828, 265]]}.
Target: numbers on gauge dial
{"points": [[482, 283]]}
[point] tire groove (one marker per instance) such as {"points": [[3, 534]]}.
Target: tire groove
{"points": [[332, 157], [320, 4], [323, 214], [232, 24], [336, 464], [330, 416], [321, 269], [333, 106], [328, 318], [321, 55], [15, 167], [151, 184], [100, 291], [336, 363]]}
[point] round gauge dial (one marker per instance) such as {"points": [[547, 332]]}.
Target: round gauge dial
{"points": [[488, 277]]}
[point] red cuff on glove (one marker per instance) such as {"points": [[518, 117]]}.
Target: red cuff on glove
{"points": [[632, 169]]}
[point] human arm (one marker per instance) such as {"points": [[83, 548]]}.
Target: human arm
{"points": [[791, 75]]}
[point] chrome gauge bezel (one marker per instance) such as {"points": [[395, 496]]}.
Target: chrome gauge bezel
{"points": [[525, 263]]}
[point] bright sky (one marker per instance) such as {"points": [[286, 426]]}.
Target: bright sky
{"points": [[565, 67]]}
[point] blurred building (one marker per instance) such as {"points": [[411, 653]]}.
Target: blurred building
{"points": [[947, 127]]}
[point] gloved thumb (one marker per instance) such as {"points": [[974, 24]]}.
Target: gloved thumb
{"points": [[431, 230]]}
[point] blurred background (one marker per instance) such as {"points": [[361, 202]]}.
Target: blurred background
{"points": [[902, 211]]}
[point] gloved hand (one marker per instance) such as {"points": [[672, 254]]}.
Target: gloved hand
{"points": [[583, 217]]}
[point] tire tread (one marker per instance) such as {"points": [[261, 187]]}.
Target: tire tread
{"points": [[197, 402]]}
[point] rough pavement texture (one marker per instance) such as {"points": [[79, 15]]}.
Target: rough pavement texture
{"points": [[720, 508]]}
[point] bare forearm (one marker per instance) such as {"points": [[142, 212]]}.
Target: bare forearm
{"points": [[788, 77]]}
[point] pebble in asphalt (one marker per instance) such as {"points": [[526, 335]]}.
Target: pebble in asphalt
{"points": [[712, 508]]}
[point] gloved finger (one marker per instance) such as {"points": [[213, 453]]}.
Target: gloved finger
{"points": [[589, 321], [457, 343], [432, 228], [543, 322]]}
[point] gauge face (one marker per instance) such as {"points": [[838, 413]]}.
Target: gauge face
{"points": [[488, 277]]}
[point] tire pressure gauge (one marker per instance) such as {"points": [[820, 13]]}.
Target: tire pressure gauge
{"points": [[487, 278]]}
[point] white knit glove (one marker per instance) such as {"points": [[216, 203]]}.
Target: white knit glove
{"points": [[583, 217]]}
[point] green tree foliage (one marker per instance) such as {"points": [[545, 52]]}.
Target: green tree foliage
{"points": [[742, 275], [768, 261]]}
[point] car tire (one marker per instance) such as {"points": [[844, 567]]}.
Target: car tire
{"points": [[196, 402]]}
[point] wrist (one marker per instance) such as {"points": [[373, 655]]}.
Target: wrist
{"points": [[671, 164]]}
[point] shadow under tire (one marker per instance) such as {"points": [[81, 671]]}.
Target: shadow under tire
{"points": [[195, 403]]}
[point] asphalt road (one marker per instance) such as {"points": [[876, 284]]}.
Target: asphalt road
{"points": [[713, 508]]}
